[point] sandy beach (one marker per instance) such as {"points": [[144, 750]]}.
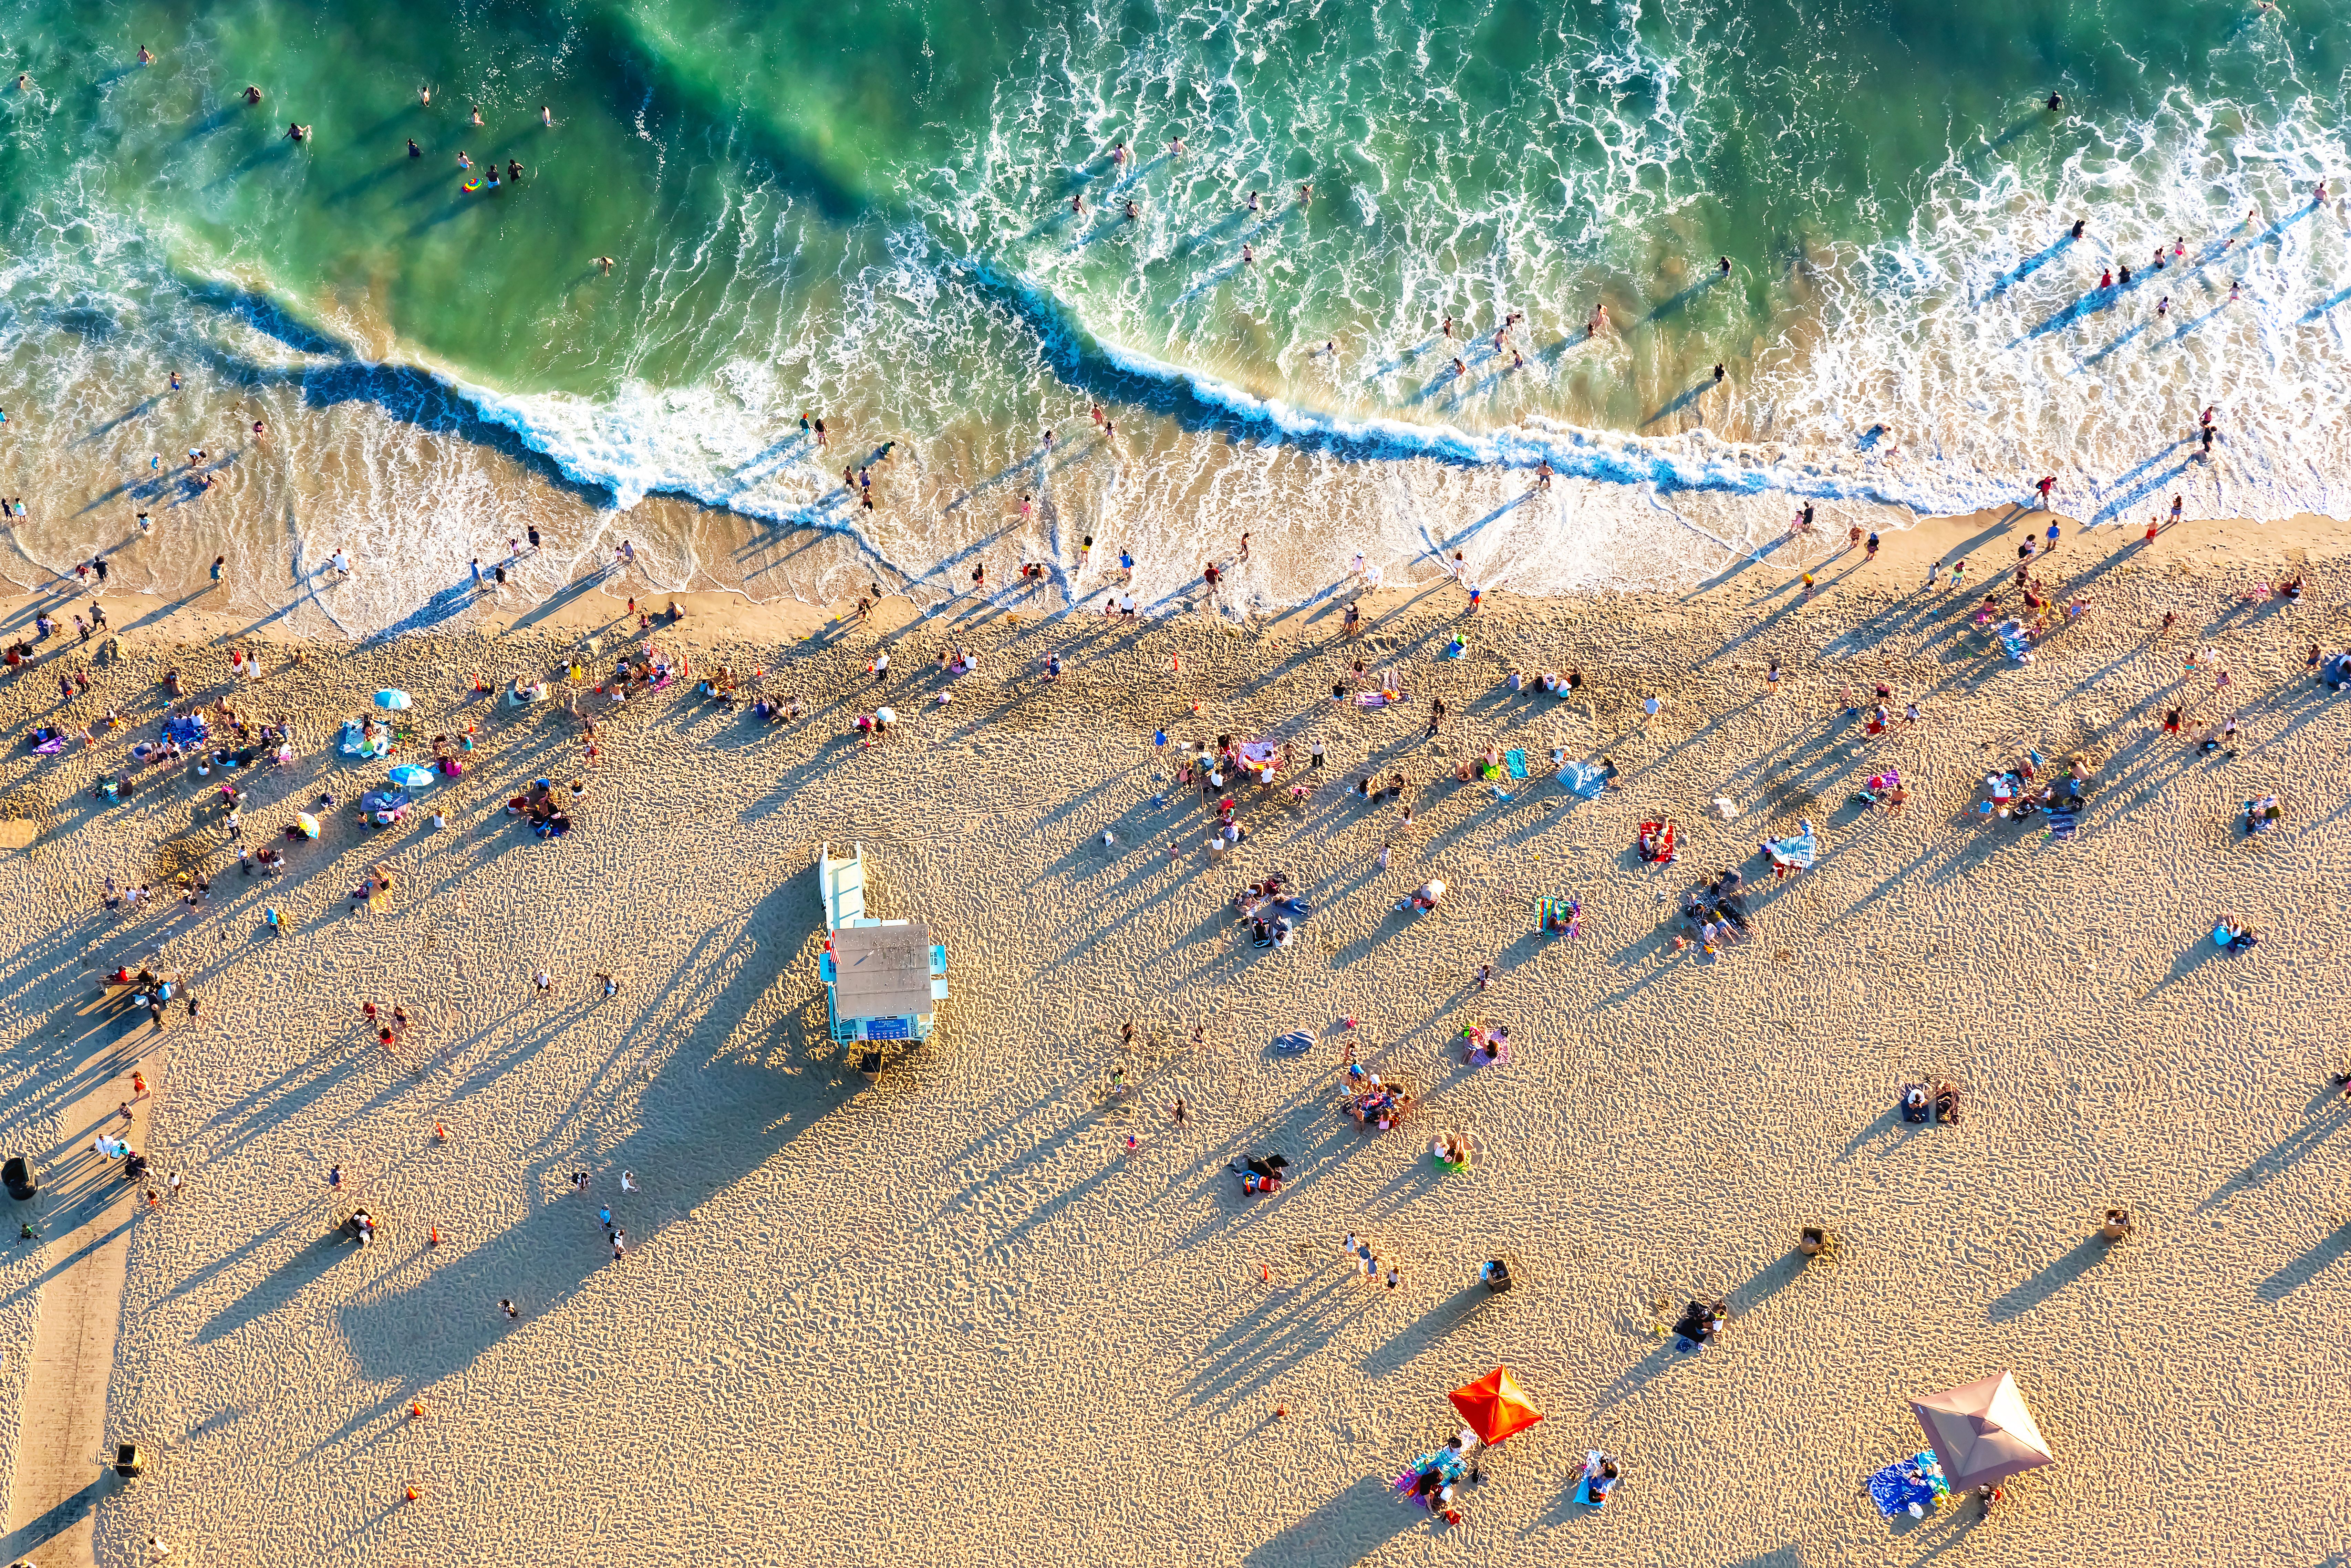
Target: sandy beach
{"points": [[952, 1316]]}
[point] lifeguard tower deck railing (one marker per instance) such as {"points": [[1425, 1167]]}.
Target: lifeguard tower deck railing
{"points": [[882, 979]]}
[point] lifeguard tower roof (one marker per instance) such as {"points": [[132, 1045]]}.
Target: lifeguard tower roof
{"points": [[882, 971]]}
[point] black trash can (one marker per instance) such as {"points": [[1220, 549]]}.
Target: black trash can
{"points": [[21, 1179], [1498, 1274], [127, 1463]]}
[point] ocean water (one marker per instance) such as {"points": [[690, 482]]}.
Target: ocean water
{"points": [[865, 212]]}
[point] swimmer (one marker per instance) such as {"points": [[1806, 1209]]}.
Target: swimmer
{"points": [[1248, 255], [413, 150], [477, 114], [1449, 326], [251, 93], [1726, 267], [144, 58], [606, 263], [1252, 202], [1131, 213], [298, 133], [2163, 306], [1717, 372], [513, 173], [175, 381], [424, 96], [1118, 155], [1599, 321], [2056, 102], [1460, 369], [2079, 225], [23, 81], [1077, 203], [1543, 475], [545, 115], [1175, 147], [463, 160], [1330, 345], [1306, 193]]}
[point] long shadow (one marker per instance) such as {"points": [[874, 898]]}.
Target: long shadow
{"points": [[1680, 402], [1422, 1334], [2306, 1268], [2272, 1163], [22, 1540], [1349, 1527], [2323, 306], [1674, 304], [2023, 1298], [736, 1112], [2029, 265]]}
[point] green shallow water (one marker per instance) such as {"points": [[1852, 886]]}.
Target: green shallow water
{"points": [[739, 161]]}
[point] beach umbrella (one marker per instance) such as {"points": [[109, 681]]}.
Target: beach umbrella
{"points": [[1981, 1431], [1495, 1406], [408, 776], [887, 716], [308, 824], [391, 698]]}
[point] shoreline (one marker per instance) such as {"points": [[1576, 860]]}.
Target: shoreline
{"points": [[596, 599]]}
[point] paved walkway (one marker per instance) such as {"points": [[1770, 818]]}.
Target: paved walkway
{"points": [[86, 1212]]}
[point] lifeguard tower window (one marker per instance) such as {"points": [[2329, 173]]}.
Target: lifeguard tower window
{"points": [[882, 971]]}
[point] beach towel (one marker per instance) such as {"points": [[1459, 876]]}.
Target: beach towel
{"points": [[1516, 762], [1568, 910], [1583, 779], [2064, 821], [1796, 853], [1297, 1043], [50, 748], [1899, 1488], [1379, 699]]}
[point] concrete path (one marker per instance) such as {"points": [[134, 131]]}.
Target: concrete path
{"points": [[86, 1211]]}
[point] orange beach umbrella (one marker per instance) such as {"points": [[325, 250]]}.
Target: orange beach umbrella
{"points": [[1495, 1406]]}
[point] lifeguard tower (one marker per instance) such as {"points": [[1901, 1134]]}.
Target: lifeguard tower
{"points": [[882, 978]]}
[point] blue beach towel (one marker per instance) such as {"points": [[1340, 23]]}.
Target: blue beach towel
{"points": [[1583, 779], [1516, 762]]}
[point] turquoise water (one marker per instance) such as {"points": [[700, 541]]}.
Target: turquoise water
{"points": [[864, 211]]}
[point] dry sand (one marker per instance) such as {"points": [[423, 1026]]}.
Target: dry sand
{"points": [[946, 1318]]}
